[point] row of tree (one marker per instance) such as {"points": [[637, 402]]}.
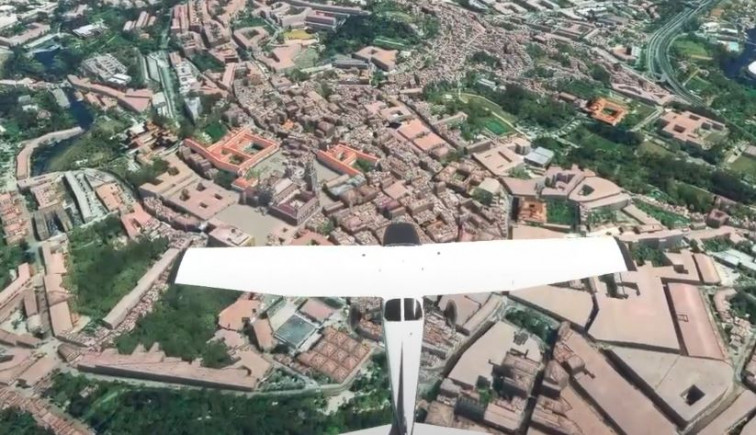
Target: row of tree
{"points": [[126, 409]]}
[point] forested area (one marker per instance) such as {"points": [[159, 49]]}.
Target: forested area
{"points": [[483, 57], [10, 258], [93, 149], [14, 421], [680, 180], [562, 212], [516, 100], [102, 269], [743, 304], [183, 321], [390, 24], [146, 174], [527, 105], [361, 31], [43, 115], [63, 62], [119, 408]]}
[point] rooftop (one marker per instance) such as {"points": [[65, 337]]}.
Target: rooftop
{"points": [[236, 152], [295, 331], [492, 346], [738, 411], [316, 310], [643, 318], [574, 306], [698, 333], [155, 365], [336, 355], [688, 386], [499, 159], [689, 127], [631, 411], [235, 316], [342, 159]]}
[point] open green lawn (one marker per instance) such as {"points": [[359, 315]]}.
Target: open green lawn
{"points": [[307, 58], [696, 83], [582, 135], [216, 131], [744, 164], [490, 105], [691, 48], [298, 34], [496, 126], [388, 43], [654, 148]]}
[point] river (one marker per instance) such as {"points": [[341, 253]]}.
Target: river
{"points": [[43, 156], [735, 68]]}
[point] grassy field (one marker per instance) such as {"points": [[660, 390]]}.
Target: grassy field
{"points": [[691, 48], [582, 135], [638, 112], [654, 148], [307, 58], [388, 43], [298, 34], [216, 131], [696, 83], [745, 165], [496, 126], [490, 105]]}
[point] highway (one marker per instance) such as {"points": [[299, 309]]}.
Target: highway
{"points": [[657, 51]]}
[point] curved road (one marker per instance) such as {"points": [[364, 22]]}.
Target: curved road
{"points": [[657, 51]]}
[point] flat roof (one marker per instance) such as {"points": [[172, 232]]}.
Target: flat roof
{"points": [[520, 232], [493, 345], [316, 309], [233, 316], [583, 414], [296, 330], [736, 412], [698, 333], [671, 377], [574, 306], [643, 318], [624, 404], [499, 160]]}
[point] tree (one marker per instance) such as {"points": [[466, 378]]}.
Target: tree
{"points": [[17, 422], [450, 313], [183, 322], [599, 73], [224, 179], [483, 196]]}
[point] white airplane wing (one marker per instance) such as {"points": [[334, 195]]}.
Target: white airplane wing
{"points": [[402, 271], [420, 429]]}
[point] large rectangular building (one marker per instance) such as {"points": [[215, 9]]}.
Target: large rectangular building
{"points": [[182, 189], [237, 152]]}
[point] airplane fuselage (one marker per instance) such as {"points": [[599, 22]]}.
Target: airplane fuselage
{"points": [[403, 322]]}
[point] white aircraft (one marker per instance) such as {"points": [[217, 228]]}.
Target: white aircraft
{"points": [[402, 272]]}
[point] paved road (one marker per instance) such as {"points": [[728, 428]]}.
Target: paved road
{"points": [[657, 50]]}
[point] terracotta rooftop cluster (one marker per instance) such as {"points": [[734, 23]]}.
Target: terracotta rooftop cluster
{"points": [[336, 355], [12, 216]]}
